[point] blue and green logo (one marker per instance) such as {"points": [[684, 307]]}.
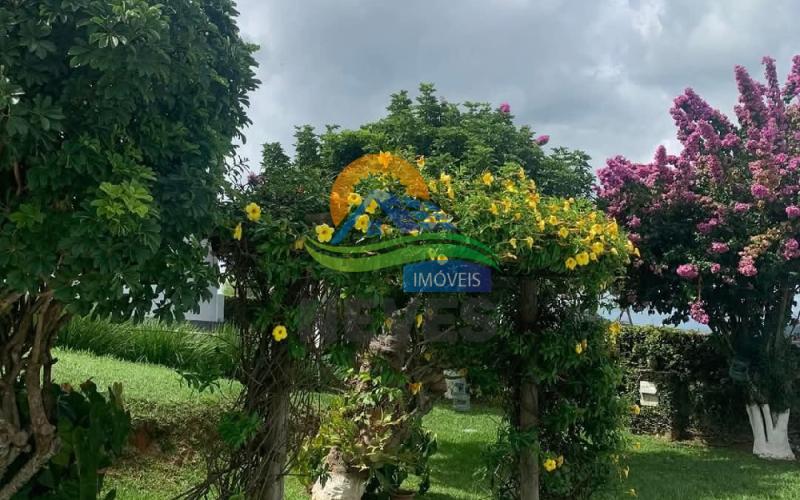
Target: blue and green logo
{"points": [[386, 229]]}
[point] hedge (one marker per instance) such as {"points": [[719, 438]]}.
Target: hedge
{"points": [[696, 396]]}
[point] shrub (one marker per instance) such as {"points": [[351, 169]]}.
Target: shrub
{"points": [[177, 345]]}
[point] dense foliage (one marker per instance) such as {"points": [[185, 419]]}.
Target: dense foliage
{"points": [[718, 225], [116, 121]]}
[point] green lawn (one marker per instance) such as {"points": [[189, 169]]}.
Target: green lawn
{"points": [[658, 470]]}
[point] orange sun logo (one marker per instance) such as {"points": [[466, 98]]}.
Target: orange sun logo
{"points": [[383, 163]]}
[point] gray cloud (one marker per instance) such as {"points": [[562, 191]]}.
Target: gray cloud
{"points": [[595, 75]]}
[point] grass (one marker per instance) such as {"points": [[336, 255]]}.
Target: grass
{"points": [[658, 469], [152, 393]]}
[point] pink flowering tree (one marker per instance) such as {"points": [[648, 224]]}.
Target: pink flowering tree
{"points": [[718, 227]]}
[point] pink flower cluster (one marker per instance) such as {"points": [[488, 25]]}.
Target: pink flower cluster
{"points": [[542, 139], [747, 266], [505, 108], [688, 271], [719, 247], [698, 313], [791, 249], [792, 211]]}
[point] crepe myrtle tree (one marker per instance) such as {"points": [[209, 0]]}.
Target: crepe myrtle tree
{"points": [[718, 225], [116, 119]]}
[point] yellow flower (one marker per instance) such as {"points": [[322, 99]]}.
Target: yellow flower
{"points": [[362, 223], [373, 205], [493, 209], [637, 445], [578, 349], [592, 216], [420, 319], [324, 233], [415, 387], [414, 232], [517, 216], [593, 256], [582, 258], [445, 177], [450, 193], [237, 232], [612, 228], [636, 252], [552, 220], [487, 178], [510, 187], [560, 460], [299, 243], [430, 219], [513, 243], [614, 328], [596, 229], [506, 205], [529, 241], [597, 248], [549, 465], [570, 263], [441, 258], [386, 229], [541, 225], [636, 409], [432, 187], [384, 158], [354, 199], [563, 232], [533, 200], [279, 333], [421, 161], [253, 212]]}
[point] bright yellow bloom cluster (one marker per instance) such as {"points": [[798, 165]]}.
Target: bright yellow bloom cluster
{"points": [[324, 233], [551, 464], [253, 212], [279, 333]]}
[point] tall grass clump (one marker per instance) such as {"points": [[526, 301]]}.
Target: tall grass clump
{"points": [[182, 346]]}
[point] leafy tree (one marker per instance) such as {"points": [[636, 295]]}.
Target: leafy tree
{"points": [[718, 228], [448, 135], [116, 119]]}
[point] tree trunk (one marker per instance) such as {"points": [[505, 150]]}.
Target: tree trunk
{"points": [[528, 394], [28, 326], [770, 432], [279, 422]]}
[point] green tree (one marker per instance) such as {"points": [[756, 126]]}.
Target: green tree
{"points": [[116, 120]]}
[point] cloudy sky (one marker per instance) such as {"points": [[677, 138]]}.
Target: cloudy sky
{"points": [[595, 75]]}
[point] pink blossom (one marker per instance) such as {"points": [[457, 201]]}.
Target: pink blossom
{"points": [[715, 268], [740, 207], [747, 266], [698, 312], [719, 247], [793, 211], [505, 108], [688, 271], [634, 222], [759, 191], [791, 249], [542, 139]]}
